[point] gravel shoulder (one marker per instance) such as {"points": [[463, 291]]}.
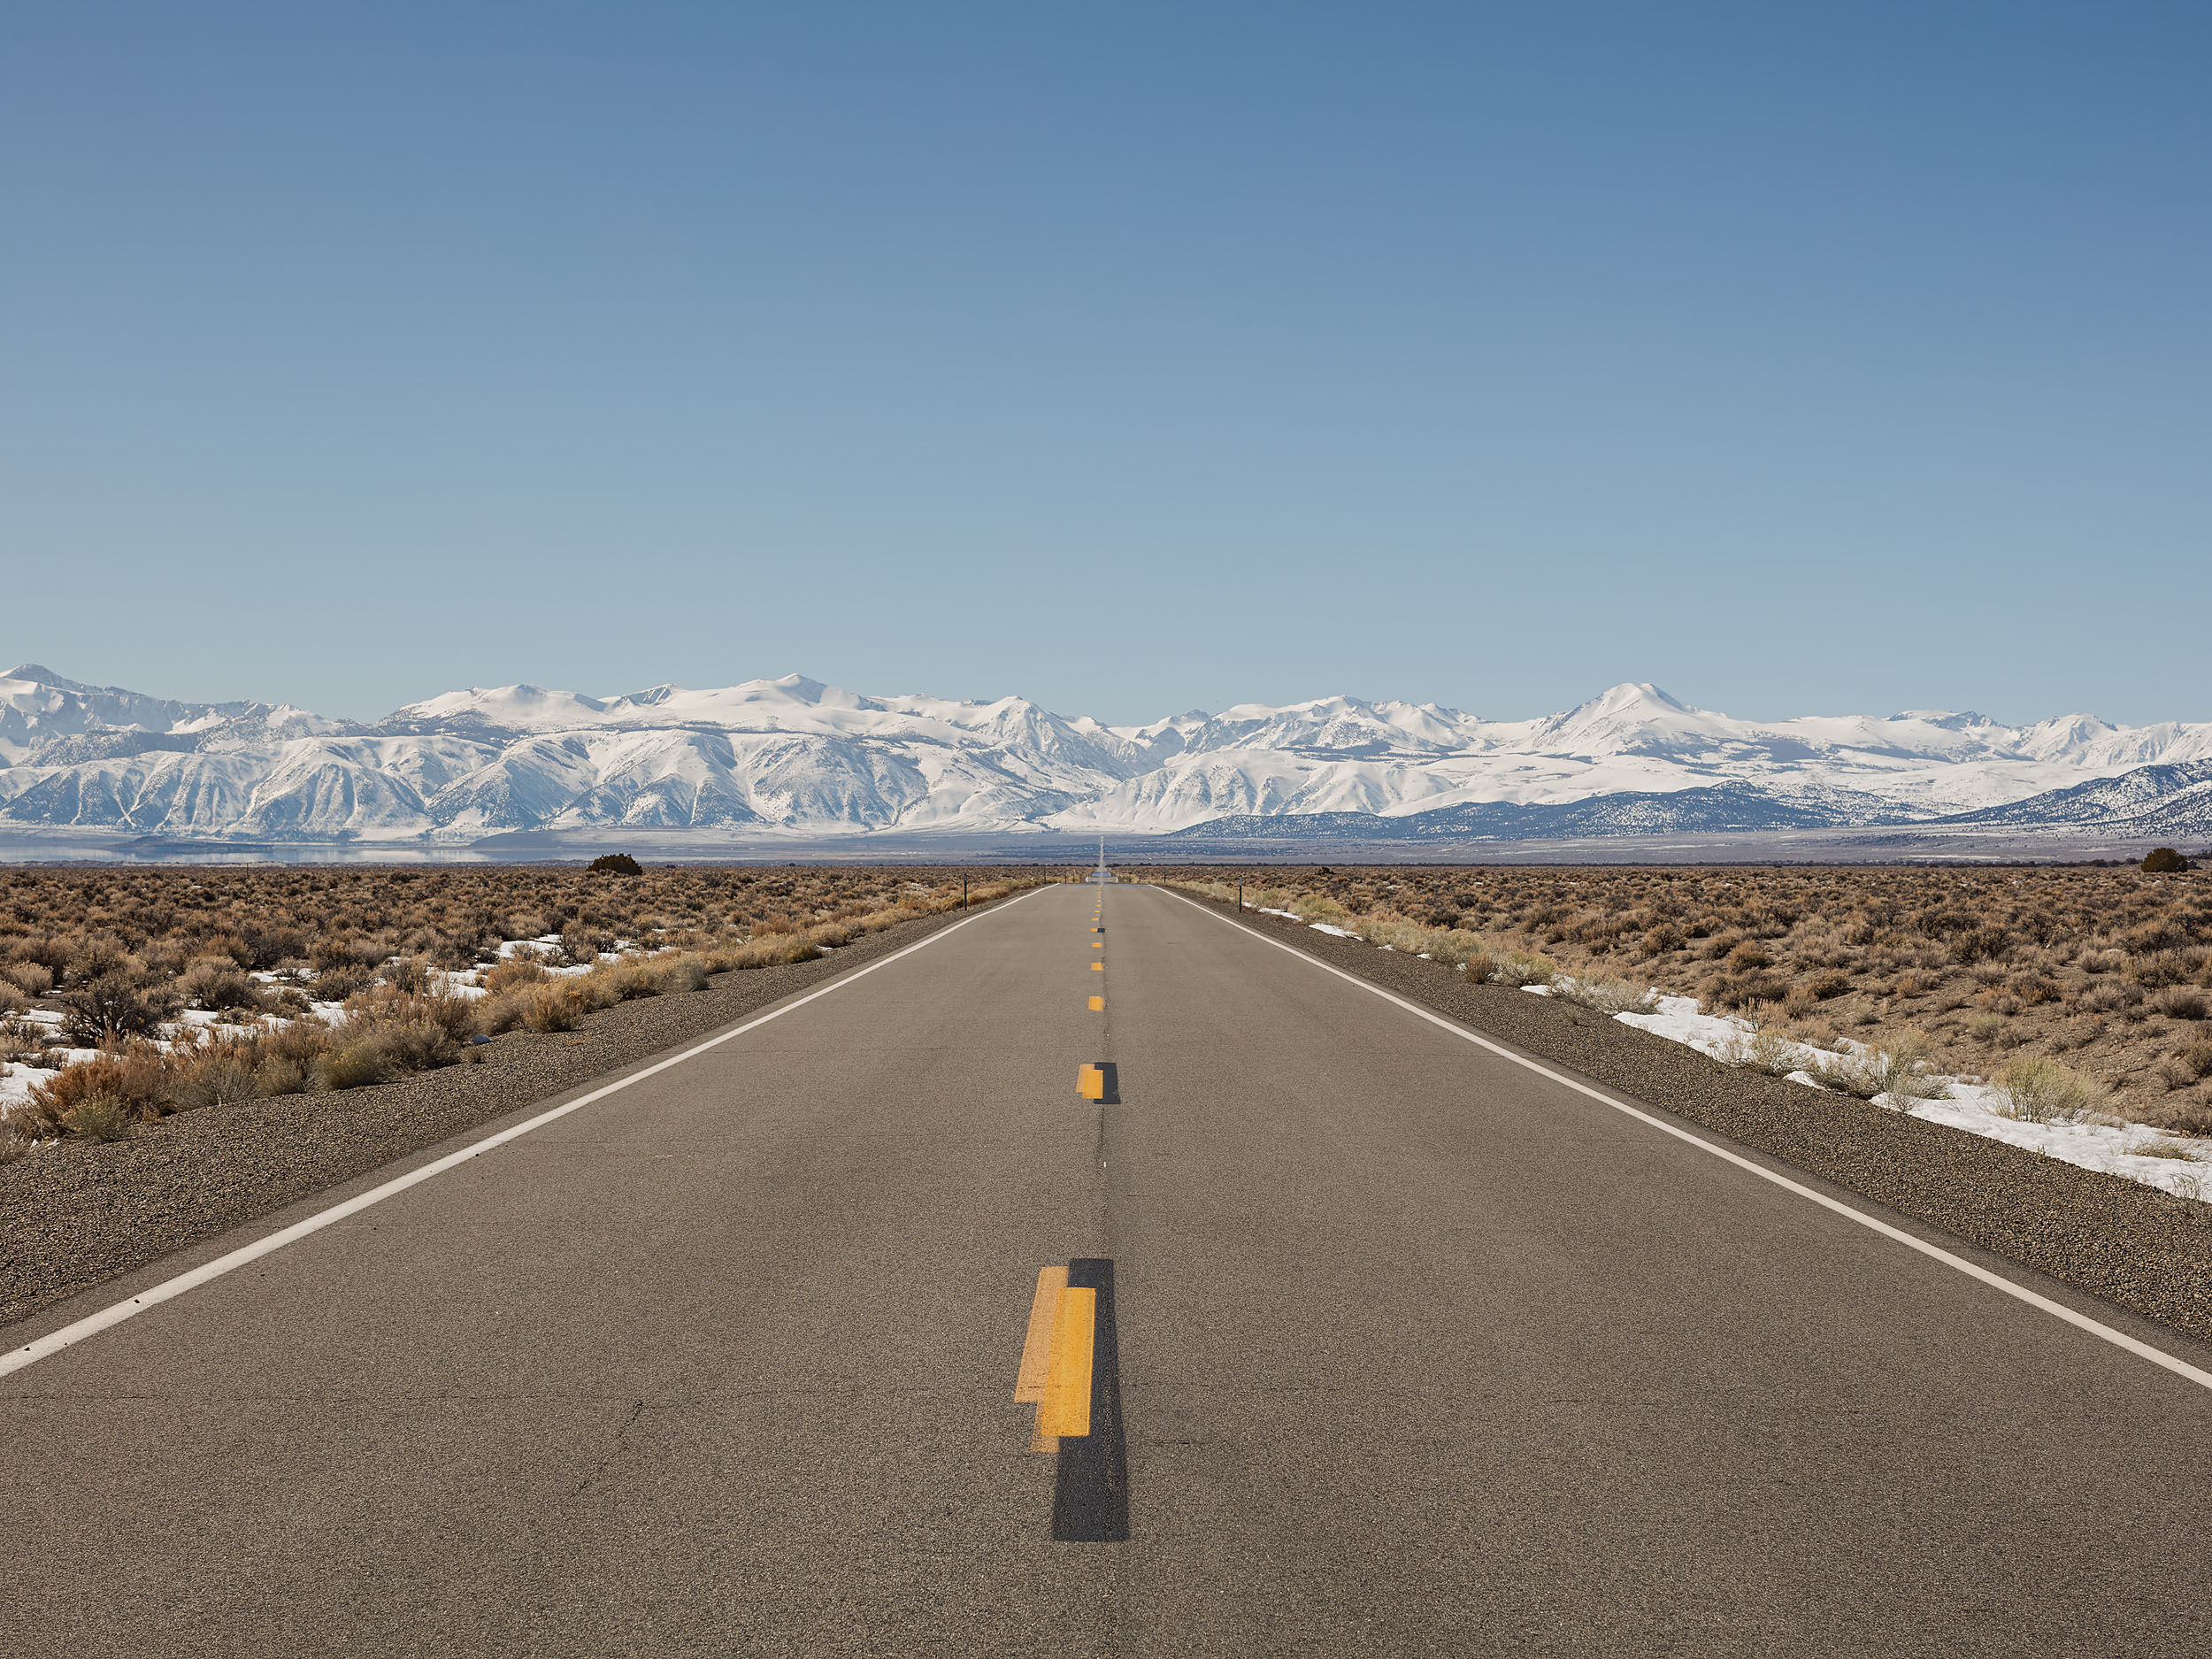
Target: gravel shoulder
{"points": [[2145, 1250], [76, 1215]]}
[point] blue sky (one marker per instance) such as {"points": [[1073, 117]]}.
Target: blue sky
{"points": [[1799, 358]]}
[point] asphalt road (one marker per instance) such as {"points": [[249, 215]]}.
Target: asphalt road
{"points": [[1398, 1347]]}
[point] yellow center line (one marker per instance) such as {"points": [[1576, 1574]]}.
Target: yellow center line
{"points": [[1090, 1083], [1098, 1005], [1036, 1367], [1098, 967], [1066, 1408]]}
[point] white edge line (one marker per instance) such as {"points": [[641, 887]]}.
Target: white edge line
{"points": [[92, 1325], [2118, 1339]]}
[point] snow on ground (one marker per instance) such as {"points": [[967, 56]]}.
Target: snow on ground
{"points": [[17, 1079], [1974, 1107]]}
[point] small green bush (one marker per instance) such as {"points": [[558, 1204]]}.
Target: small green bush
{"points": [[100, 1118], [356, 1065], [616, 864], [2164, 861]]}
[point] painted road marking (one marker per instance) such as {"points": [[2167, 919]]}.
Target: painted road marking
{"points": [[1934, 1252], [1044, 1312], [1098, 967], [1065, 1413], [1090, 1483], [1098, 1005], [92, 1325], [1090, 1083]]}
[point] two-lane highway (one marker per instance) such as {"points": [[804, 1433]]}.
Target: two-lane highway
{"points": [[1381, 1343]]}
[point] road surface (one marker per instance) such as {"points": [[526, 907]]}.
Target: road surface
{"points": [[1386, 1344]]}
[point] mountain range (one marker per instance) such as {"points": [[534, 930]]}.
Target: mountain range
{"points": [[786, 756]]}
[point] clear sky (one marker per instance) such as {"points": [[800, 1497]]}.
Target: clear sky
{"points": [[1798, 357]]}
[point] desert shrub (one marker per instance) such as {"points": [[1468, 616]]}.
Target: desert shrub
{"points": [[584, 944], [216, 1074], [284, 1059], [98, 958], [99, 1117], [659, 976], [1770, 1052], [556, 1005], [2160, 968], [336, 984], [386, 1052], [112, 1006], [416, 1045], [355, 1066], [1517, 969], [134, 1078], [616, 864], [2198, 1057], [2182, 1002], [523, 969], [385, 1005], [1981, 944], [1748, 955], [768, 952], [2037, 1089], [1604, 994], [11, 1001], [267, 945], [32, 978], [1900, 1070], [408, 974], [2162, 861], [218, 982], [1740, 990]]}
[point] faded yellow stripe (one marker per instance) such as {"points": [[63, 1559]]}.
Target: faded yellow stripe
{"points": [[1029, 1383], [1098, 967], [1098, 1005], [1090, 1083], [1066, 1410]]}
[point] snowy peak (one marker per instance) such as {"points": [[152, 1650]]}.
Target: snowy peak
{"points": [[1634, 718], [797, 754]]}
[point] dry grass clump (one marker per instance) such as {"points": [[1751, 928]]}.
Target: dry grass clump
{"points": [[2111, 968], [2039, 1090], [1604, 993], [118, 952]]}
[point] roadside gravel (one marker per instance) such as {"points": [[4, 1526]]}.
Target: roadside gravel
{"points": [[2144, 1249], [73, 1215]]}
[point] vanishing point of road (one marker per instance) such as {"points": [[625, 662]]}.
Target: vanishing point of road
{"points": [[1096, 1277]]}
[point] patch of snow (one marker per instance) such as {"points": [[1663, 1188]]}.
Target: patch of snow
{"points": [[1973, 1107]]}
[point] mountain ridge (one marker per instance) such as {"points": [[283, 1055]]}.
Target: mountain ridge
{"points": [[798, 755]]}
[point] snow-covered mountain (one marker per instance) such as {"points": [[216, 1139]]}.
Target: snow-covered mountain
{"points": [[794, 755]]}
